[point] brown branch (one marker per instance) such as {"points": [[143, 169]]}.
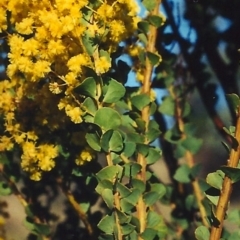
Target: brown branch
{"points": [[76, 206], [227, 186], [190, 161], [146, 87]]}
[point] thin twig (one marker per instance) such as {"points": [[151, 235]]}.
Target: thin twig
{"points": [[146, 87], [227, 186], [76, 206]]}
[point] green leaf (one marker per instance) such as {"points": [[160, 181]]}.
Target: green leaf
{"points": [[107, 118], [215, 179], [138, 184], [129, 148], [90, 106], [155, 20], [202, 233], [190, 202], [112, 141], [153, 58], [234, 143], [149, 4], [126, 229], [140, 101], [107, 224], [89, 44], [87, 87], [213, 199], [104, 184], [157, 192], [107, 195], [182, 174], [143, 26], [154, 154], [149, 234], [143, 38], [131, 169], [108, 173], [115, 92], [192, 144], [233, 100], [123, 190], [85, 206], [168, 106], [142, 149], [234, 216], [93, 141], [126, 205], [122, 217], [5, 190], [233, 173]]}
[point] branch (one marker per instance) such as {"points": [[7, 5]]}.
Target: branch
{"points": [[227, 186], [146, 87], [76, 206]]}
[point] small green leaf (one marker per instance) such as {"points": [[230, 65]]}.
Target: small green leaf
{"points": [[233, 173], [215, 179], [107, 224], [89, 44], [123, 190], [182, 174], [168, 106], [122, 217], [155, 20], [143, 38], [5, 190], [149, 4], [112, 141], [233, 101], [126, 229], [192, 144], [234, 216], [140, 101], [131, 169], [93, 141], [84, 206], [149, 234], [143, 26], [108, 173], [107, 195], [90, 106], [138, 184], [115, 92], [129, 148], [153, 58], [107, 118], [202, 233], [87, 87], [154, 154]]}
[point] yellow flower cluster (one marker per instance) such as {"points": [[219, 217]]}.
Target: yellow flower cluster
{"points": [[49, 44], [85, 156]]}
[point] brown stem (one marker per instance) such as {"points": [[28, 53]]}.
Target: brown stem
{"points": [[226, 187], [76, 206], [116, 204], [146, 88], [190, 161]]}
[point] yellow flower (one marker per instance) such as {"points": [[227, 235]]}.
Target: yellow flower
{"points": [[74, 113], [25, 26], [85, 156], [75, 63], [102, 65], [54, 88]]}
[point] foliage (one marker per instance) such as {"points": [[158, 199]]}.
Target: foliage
{"points": [[65, 104]]}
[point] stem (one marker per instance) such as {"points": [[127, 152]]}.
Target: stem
{"points": [[116, 203], [146, 87], [190, 161], [76, 206], [227, 186]]}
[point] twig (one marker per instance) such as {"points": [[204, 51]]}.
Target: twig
{"points": [[146, 87], [76, 206], [227, 186]]}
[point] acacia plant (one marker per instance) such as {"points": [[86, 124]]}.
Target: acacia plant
{"points": [[64, 104]]}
